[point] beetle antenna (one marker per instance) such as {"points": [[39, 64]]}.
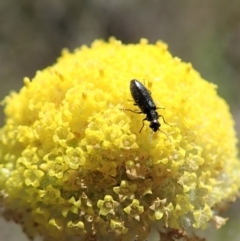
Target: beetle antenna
{"points": [[165, 134]]}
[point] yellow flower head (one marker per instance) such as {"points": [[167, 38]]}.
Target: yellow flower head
{"points": [[74, 165]]}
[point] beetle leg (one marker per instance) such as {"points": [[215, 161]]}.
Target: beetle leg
{"points": [[162, 108], [165, 121], [143, 124], [134, 111]]}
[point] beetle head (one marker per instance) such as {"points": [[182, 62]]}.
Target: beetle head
{"points": [[154, 125]]}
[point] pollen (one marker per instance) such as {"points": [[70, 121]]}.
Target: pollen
{"points": [[73, 164]]}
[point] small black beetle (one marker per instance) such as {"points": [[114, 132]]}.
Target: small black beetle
{"points": [[143, 99]]}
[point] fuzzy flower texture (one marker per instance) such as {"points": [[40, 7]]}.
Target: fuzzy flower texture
{"points": [[73, 165]]}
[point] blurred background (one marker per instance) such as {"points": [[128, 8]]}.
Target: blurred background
{"points": [[205, 33]]}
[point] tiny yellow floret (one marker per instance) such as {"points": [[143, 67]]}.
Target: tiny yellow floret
{"points": [[73, 165]]}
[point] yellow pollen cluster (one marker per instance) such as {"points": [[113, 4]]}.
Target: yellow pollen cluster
{"points": [[73, 165]]}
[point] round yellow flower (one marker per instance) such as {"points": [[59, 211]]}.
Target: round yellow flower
{"points": [[74, 165]]}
